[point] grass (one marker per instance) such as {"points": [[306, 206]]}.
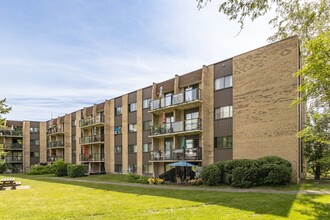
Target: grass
{"points": [[50, 198]]}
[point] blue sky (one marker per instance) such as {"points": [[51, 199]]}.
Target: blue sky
{"points": [[59, 56]]}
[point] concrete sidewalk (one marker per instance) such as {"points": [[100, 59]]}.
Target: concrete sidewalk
{"points": [[196, 188]]}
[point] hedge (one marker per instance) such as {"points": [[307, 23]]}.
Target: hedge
{"points": [[246, 173], [77, 170], [211, 175], [60, 168], [41, 170], [134, 178]]}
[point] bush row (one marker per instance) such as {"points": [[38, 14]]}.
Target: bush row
{"points": [[77, 170], [244, 173], [134, 178], [59, 168]]}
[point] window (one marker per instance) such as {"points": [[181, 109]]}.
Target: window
{"points": [[34, 130], [147, 169], [132, 128], [118, 111], [118, 168], [34, 154], [223, 82], [146, 125], [117, 130], [132, 148], [73, 123], [73, 137], [34, 142], [74, 152], [223, 142], [146, 103], [131, 168], [132, 107], [147, 147], [118, 149], [223, 112]]}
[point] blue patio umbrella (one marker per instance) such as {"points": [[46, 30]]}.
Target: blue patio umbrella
{"points": [[181, 164]]}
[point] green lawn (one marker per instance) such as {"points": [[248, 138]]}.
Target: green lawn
{"points": [[56, 199]]}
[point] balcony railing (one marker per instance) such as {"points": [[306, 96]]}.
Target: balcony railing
{"points": [[14, 159], [55, 130], [91, 121], [185, 97], [12, 146], [91, 139], [177, 154], [54, 158], [11, 133], [55, 144], [175, 127], [91, 157]]}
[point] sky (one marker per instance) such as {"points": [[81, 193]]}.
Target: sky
{"points": [[60, 56]]}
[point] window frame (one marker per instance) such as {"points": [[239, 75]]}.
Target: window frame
{"points": [[221, 83]]}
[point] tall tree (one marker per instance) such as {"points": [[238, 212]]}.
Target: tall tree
{"points": [[317, 142], [4, 109]]}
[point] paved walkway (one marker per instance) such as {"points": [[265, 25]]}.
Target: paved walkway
{"points": [[192, 188]]}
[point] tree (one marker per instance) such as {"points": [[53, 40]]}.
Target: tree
{"points": [[316, 137], [315, 88], [4, 109]]}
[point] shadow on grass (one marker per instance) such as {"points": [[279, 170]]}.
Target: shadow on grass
{"points": [[259, 203]]}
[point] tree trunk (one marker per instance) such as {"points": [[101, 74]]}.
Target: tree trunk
{"points": [[317, 171]]}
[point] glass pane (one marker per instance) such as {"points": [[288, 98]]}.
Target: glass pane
{"points": [[228, 81]]}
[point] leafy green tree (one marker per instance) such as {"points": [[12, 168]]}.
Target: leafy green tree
{"points": [[4, 109], [315, 87], [316, 137]]}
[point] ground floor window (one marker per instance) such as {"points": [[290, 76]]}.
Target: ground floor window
{"points": [[223, 142], [118, 168], [131, 168], [147, 169]]}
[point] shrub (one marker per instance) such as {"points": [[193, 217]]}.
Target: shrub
{"points": [[134, 178], [210, 175], [60, 168], [273, 160], [41, 170], [3, 166], [276, 174], [77, 170], [221, 166], [230, 165], [245, 176]]}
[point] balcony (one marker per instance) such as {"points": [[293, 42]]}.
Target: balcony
{"points": [[11, 133], [94, 139], [14, 159], [12, 146], [98, 120], [55, 131], [185, 100], [174, 128], [54, 158], [55, 144], [91, 157], [190, 154]]}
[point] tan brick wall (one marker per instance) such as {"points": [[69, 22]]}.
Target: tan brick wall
{"points": [[78, 135], [108, 137], [67, 139], [263, 89], [139, 134], [207, 137], [43, 142], [26, 145], [125, 132]]}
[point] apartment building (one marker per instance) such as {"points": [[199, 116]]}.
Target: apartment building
{"points": [[233, 109]]}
